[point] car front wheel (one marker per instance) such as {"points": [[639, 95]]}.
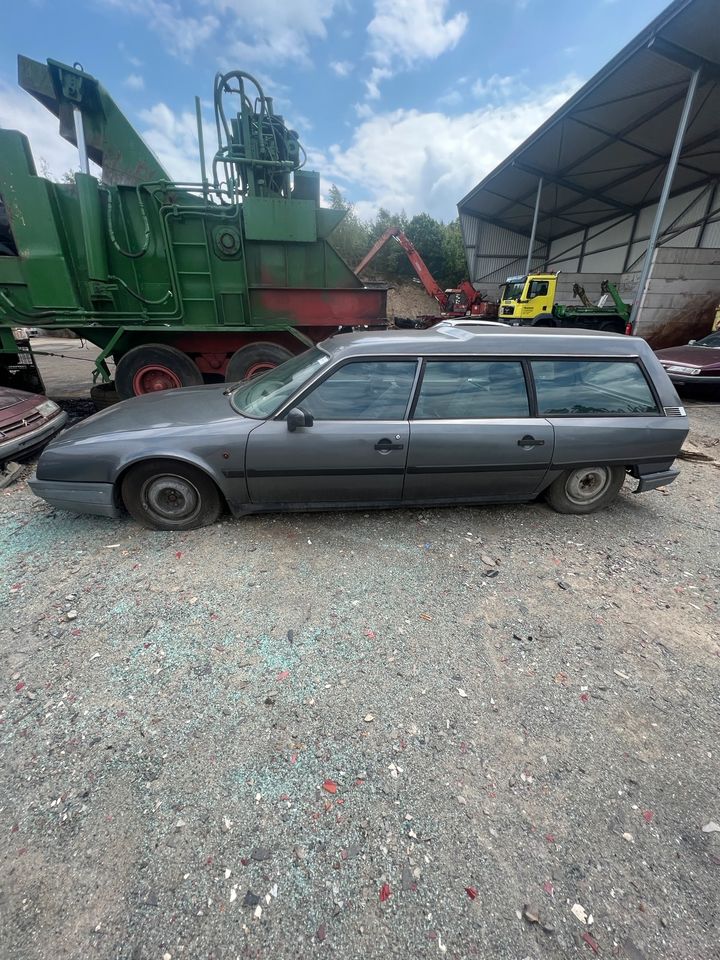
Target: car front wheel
{"points": [[585, 489], [169, 495]]}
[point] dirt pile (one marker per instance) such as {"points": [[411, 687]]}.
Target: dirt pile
{"points": [[406, 298]]}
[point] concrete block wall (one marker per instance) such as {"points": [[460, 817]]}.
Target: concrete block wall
{"points": [[682, 295]]}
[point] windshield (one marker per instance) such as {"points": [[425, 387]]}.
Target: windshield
{"points": [[513, 291], [262, 396], [711, 340]]}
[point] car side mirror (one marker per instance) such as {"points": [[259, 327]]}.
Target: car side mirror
{"points": [[298, 418], [691, 342]]}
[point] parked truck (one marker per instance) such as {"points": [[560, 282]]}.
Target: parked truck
{"points": [[177, 283], [530, 300]]}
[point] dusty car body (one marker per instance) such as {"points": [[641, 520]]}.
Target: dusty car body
{"points": [[697, 362], [389, 419], [27, 422]]}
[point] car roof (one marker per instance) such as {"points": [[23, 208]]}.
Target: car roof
{"points": [[513, 341]]}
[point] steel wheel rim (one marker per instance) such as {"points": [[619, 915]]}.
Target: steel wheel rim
{"points": [[153, 377], [587, 484], [262, 366], [172, 498]]}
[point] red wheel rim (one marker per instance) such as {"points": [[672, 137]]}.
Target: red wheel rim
{"points": [[154, 377], [260, 367]]}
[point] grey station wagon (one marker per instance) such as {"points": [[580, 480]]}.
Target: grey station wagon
{"points": [[389, 419]]}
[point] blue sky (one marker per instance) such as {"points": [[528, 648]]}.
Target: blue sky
{"points": [[402, 103]]}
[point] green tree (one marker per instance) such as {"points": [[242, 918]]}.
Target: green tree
{"points": [[350, 238], [428, 236], [454, 254]]}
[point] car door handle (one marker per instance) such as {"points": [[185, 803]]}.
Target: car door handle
{"points": [[386, 445], [528, 441]]}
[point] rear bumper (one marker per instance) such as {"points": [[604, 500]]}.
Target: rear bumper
{"points": [[96, 498], [651, 481], [28, 442]]}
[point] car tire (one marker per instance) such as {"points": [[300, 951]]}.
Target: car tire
{"points": [[170, 495], [152, 367], [585, 489], [255, 358]]}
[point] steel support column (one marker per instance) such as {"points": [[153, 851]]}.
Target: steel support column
{"points": [[669, 175], [534, 225]]}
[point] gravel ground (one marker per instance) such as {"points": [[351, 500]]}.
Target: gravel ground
{"points": [[439, 733]]}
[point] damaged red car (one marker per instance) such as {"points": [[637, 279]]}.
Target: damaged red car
{"points": [[27, 422], [696, 362]]}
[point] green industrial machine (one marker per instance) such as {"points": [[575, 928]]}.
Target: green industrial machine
{"points": [[178, 283]]}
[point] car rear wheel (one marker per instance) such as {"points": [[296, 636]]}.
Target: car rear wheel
{"points": [[169, 495], [585, 489], [254, 359], [152, 367]]}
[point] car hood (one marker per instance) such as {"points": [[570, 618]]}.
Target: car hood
{"points": [[704, 357], [187, 409], [9, 397]]}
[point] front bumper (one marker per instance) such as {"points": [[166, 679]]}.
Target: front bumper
{"points": [[95, 498], [28, 442], [651, 481], [687, 379]]}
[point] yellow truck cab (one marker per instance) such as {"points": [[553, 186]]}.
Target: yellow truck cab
{"points": [[530, 301], [524, 298]]}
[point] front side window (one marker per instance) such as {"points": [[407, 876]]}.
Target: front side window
{"points": [[537, 288], [363, 390], [472, 390], [592, 388], [513, 291], [262, 396]]}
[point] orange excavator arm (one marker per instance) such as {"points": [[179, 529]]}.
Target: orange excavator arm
{"points": [[431, 286]]}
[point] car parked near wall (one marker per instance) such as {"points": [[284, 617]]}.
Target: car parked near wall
{"points": [[392, 419], [27, 422], [697, 362]]}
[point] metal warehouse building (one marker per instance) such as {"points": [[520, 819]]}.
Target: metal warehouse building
{"points": [[621, 183]]}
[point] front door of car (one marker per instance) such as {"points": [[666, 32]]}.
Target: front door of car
{"points": [[356, 448], [472, 436]]}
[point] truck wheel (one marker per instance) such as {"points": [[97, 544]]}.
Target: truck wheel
{"points": [[612, 325], [154, 366], [585, 489], [170, 495], [255, 358], [544, 320], [104, 395]]}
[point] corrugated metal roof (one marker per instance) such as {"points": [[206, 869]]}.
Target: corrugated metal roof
{"points": [[604, 153]]}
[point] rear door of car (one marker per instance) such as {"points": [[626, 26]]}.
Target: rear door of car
{"points": [[474, 434], [603, 411], [356, 449]]}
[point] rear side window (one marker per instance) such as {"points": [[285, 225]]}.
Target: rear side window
{"points": [[472, 390], [592, 388]]}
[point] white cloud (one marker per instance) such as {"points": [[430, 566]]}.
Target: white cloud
{"points": [[243, 31], [135, 81], [412, 160], [341, 67], [497, 87], [404, 32], [173, 139], [20, 111], [182, 34], [450, 99]]}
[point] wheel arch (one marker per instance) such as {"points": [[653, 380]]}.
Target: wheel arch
{"points": [[187, 459]]}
